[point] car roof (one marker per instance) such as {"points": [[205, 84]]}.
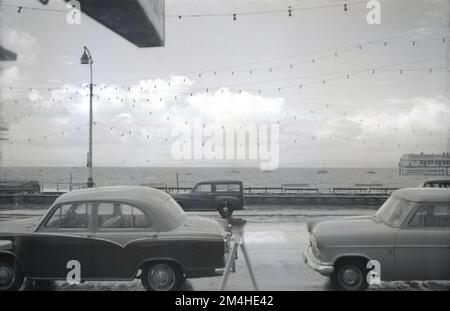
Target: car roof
{"points": [[437, 181], [147, 198], [424, 194], [221, 181], [145, 195]]}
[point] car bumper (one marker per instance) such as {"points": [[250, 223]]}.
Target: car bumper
{"points": [[315, 264]]}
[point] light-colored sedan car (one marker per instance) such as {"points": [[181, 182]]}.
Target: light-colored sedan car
{"points": [[409, 237]]}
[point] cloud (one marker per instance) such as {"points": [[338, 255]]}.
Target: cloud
{"points": [[225, 106], [137, 117], [423, 114], [20, 42]]}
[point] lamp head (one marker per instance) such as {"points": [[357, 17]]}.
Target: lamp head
{"points": [[85, 58]]}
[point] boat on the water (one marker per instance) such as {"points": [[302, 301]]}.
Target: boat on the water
{"points": [[371, 171], [322, 171], [235, 170]]}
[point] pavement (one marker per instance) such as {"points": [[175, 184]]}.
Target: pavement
{"points": [[275, 238]]}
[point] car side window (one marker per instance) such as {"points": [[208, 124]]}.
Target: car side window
{"points": [[228, 188], [431, 216], [70, 216], [120, 216], [203, 188]]}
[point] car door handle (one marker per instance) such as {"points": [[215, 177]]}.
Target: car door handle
{"points": [[152, 235]]}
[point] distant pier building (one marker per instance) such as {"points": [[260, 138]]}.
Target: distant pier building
{"points": [[425, 164]]}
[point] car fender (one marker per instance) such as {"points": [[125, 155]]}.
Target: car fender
{"points": [[14, 257], [348, 255], [153, 259]]}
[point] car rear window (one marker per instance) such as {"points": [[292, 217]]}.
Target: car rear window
{"points": [[120, 216], [175, 214], [228, 188]]}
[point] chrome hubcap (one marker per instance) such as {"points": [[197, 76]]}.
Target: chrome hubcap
{"points": [[161, 277], [350, 277], [6, 276]]}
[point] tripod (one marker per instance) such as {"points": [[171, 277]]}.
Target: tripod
{"points": [[239, 242]]}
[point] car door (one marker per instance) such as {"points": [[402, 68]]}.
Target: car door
{"points": [[201, 197], [422, 249], [231, 190], [62, 238], [122, 233]]}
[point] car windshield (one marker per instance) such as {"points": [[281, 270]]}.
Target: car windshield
{"points": [[175, 214], [394, 211]]}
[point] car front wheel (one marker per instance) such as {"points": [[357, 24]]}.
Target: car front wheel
{"points": [[350, 275], [11, 277], [225, 210], [162, 276]]}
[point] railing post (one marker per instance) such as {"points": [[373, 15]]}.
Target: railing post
{"points": [[70, 182]]}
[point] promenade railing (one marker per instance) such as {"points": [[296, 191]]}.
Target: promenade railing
{"points": [[284, 190]]}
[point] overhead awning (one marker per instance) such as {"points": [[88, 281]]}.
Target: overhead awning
{"points": [[138, 21], [6, 55]]}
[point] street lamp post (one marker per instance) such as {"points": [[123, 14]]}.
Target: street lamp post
{"points": [[86, 58]]}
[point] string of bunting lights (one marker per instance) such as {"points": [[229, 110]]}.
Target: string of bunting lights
{"points": [[126, 132], [288, 11], [60, 132], [267, 69], [294, 115], [291, 117], [334, 76]]}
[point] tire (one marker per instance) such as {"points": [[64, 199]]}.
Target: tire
{"points": [[11, 276], [162, 276], [43, 284], [225, 210], [350, 275]]}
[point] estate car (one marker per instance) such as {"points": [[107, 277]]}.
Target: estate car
{"points": [[225, 196], [115, 233]]}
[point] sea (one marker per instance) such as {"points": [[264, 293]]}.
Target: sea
{"points": [[51, 178]]}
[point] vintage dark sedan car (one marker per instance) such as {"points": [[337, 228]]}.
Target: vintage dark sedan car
{"points": [[407, 239], [115, 233], [225, 196]]}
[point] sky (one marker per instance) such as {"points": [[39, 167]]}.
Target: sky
{"points": [[343, 92]]}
